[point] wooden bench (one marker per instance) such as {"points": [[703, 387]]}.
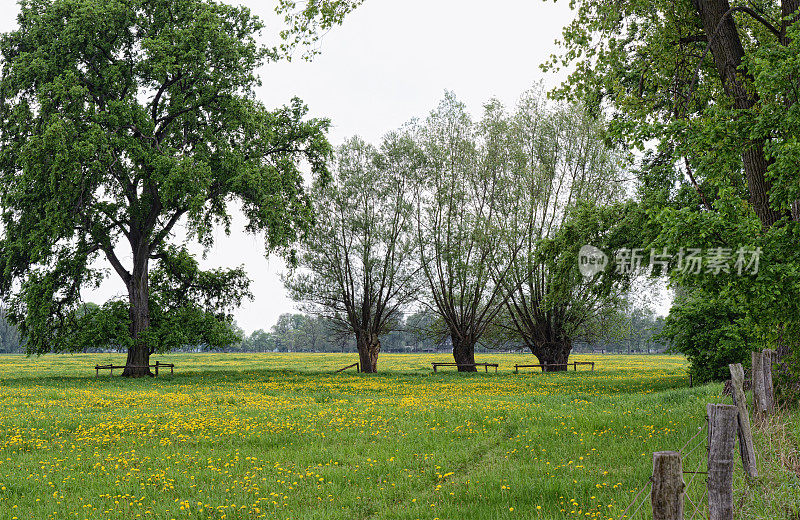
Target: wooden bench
{"points": [[574, 364], [484, 365], [158, 365]]}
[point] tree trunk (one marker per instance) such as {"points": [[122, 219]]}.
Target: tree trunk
{"points": [[139, 297], [728, 53], [463, 352], [368, 347], [554, 354]]}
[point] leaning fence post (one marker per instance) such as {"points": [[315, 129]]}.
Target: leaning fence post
{"points": [[722, 436], [666, 496], [746, 447]]}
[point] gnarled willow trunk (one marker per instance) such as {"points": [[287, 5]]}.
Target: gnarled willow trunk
{"points": [[369, 345], [137, 364], [554, 354], [463, 352]]}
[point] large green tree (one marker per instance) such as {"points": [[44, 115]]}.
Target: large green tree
{"points": [[119, 120], [709, 87], [685, 74]]}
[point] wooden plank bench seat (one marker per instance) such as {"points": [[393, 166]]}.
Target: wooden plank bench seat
{"points": [[98, 368], [484, 365], [574, 364]]}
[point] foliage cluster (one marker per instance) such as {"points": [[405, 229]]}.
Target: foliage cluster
{"points": [[708, 90]]}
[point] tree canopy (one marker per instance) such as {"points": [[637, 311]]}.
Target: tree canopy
{"points": [[119, 120], [359, 268], [708, 89], [567, 190]]}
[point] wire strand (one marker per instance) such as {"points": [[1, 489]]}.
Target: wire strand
{"points": [[699, 430], [650, 480], [642, 502]]}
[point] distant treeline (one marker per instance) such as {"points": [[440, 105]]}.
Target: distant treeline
{"points": [[10, 340], [303, 333], [633, 332], [295, 332]]}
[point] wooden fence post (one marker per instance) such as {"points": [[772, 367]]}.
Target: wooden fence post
{"points": [[767, 359], [722, 437], [746, 447], [666, 496], [759, 390]]}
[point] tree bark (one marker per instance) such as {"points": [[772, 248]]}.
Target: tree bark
{"points": [[789, 14], [139, 311], [554, 354], [728, 52], [463, 352], [369, 345]]}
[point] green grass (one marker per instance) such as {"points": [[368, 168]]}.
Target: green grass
{"points": [[279, 436]]}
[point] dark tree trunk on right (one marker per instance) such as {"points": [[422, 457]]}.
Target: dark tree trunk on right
{"points": [[463, 352], [728, 53], [369, 345], [555, 354]]}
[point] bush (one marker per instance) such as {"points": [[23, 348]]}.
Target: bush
{"points": [[711, 333]]}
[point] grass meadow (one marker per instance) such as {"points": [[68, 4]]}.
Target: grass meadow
{"points": [[243, 436]]}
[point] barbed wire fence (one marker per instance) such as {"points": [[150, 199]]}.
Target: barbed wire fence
{"points": [[725, 422], [649, 487], [689, 449], [698, 505]]}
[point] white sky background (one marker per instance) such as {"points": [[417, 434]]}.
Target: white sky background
{"points": [[389, 62]]}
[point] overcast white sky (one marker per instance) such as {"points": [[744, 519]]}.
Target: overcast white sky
{"points": [[390, 61]]}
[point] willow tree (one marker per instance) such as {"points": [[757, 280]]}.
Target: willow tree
{"points": [[358, 268], [458, 193], [563, 177], [119, 120]]}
